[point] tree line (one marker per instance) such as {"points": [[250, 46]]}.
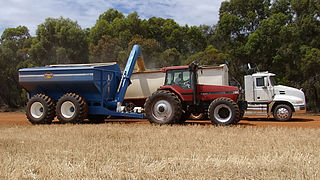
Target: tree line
{"points": [[280, 36]]}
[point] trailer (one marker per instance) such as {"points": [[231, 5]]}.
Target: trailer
{"points": [[74, 92]]}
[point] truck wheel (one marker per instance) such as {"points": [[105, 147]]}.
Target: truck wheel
{"points": [[282, 112], [223, 111], [71, 108], [40, 109], [163, 107]]}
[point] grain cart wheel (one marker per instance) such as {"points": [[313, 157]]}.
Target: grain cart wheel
{"points": [[282, 112], [223, 111], [71, 108], [40, 109], [163, 107]]}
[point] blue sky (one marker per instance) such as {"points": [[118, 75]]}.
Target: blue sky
{"points": [[31, 13]]}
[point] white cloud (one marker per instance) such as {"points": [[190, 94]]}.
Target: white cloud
{"points": [[31, 13]]}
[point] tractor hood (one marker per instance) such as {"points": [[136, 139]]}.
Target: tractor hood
{"points": [[295, 96], [214, 91]]}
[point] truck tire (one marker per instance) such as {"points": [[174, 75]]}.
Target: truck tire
{"points": [[282, 112], [223, 111], [163, 107], [71, 108], [40, 109]]}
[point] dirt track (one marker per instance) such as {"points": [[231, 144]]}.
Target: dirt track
{"points": [[303, 121]]}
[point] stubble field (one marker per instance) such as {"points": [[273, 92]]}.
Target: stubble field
{"points": [[135, 150]]}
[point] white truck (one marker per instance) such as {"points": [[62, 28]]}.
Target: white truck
{"points": [[265, 97], [262, 94]]}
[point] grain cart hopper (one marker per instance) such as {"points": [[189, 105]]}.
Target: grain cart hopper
{"points": [[76, 92]]}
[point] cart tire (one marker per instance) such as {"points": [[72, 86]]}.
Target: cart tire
{"points": [[224, 111], [71, 108], [40, 109], [163, 107]]}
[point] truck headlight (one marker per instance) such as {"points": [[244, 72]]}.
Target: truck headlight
{"points": [[299, 102]]}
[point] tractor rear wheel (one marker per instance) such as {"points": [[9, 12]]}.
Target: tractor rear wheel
{"points": [[40, 109], [163, 107], [224, 111], [71, 108]]}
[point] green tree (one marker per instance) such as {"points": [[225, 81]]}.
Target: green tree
{"points": [[170, 57], [106, 50], [59, 38], [211, 56], [14, 54]]}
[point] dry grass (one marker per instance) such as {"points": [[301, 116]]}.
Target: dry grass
{"points": [[144, 151]]}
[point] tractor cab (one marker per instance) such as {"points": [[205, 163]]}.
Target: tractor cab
{"points": [[182, 76], [179, 77]]}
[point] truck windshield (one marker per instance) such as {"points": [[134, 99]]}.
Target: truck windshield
{"points": [[273, 81]]}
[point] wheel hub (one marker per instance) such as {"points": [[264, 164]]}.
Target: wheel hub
{"points": [[222, 113], [283, 113], [36, 110], [162, 109], [67, 109]]}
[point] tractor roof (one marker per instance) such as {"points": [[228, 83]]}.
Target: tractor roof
{"points": [[165, 69]]}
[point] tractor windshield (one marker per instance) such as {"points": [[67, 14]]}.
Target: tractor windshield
{"points": [[180, 78]]}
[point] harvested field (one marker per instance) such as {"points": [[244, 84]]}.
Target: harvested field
{"points": [[298, 121], [128, 149]]}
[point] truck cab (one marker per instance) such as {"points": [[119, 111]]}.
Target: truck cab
{"points": [[265, 97]]}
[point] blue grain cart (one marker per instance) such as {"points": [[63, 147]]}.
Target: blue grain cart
{"points": [[76, 92]]}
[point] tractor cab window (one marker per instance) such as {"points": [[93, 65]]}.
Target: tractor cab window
{"points": [[180, 78]]}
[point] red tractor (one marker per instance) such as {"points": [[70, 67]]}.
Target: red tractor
{"points": [[181, 95]]}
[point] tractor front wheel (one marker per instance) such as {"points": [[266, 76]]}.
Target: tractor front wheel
{"points": [[163, 107], [224, 111]]}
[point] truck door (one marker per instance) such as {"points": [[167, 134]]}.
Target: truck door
{"points": [[263, 89]]}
